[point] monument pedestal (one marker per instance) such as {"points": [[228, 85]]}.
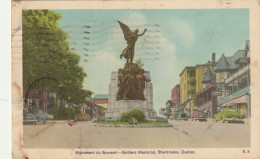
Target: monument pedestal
{"points": [[117, 107]]}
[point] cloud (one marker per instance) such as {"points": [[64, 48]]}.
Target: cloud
{"points": [[184, 30], [155, 50], [157, 54], [135, 18]]}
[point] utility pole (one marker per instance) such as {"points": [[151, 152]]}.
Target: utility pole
{"points": [[69, 106]]}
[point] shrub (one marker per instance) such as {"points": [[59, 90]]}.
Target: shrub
{"points": [[135, 113], [132, 121]]}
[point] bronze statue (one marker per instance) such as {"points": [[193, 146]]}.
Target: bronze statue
{"points": [[127, 84], [140, 82], [131, 83], [131, 37], [131, 78]]}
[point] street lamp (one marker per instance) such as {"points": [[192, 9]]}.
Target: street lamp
{"points": [[190, 104]]}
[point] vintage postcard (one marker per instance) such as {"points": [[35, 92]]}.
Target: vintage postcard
{"points": [[135, 79]]}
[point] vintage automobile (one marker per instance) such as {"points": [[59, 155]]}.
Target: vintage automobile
{"points": [[198, 116], [174, 116], [34, 116], [81, 117], [182, 116], [88, 117], [228, 115]]}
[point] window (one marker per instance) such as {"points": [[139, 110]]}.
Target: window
{"points": [[192, 83], [221, 77], [228, 75], [228, 92], [205, 69], [192, 73]]}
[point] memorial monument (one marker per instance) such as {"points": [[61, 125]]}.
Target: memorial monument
{"points": [[130, 87]]}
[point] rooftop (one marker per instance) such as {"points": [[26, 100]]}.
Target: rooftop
{"points": [[228, 62], [101, 96], [187, 67], [207, 75]]}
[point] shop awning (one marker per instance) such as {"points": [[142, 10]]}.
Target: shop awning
{"points": [[234, 96], [242, 99], [205, 106]]}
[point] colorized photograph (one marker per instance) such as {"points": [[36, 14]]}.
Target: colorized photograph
{"points": [[136, 78]]}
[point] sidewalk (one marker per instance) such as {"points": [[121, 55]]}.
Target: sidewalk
{"points": [[56, 121]]}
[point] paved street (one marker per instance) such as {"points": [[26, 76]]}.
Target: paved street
{"points": [[183, 134]]}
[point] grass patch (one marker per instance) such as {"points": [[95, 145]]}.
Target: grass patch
{"points": [[125, 123]]}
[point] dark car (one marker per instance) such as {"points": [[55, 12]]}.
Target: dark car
{"points": [[88, 117], [198, 115], [182, 116]]}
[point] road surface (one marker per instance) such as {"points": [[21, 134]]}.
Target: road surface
{"points": [[183, 134]]}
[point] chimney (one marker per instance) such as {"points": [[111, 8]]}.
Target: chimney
{"points": [[213, 58]]}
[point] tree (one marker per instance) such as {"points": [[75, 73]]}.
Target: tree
{"points": [[139, 63], [135, 113], [46, 53]]}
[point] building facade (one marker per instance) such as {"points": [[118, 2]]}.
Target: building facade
{"points": [[91, 108], [206, 97], [188, 89], [228, 85], [175, 95], [216, 84], [101, 100], [236, 92], [39, 99]]}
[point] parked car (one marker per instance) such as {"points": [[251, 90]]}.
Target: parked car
{"points": [[198, 115], [81, 117], [174, 116], [182, 116], [228, 115], [29, 118], [88, 117], [34, 116]]}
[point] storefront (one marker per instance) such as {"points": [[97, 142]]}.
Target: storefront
{"points": [[239, 100], [207, 103], [209, 108]]}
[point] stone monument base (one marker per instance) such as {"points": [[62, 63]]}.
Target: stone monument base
{"points": [[122, 106], [117, 107]]}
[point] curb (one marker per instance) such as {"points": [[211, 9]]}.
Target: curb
{"points": [[132, 126]]}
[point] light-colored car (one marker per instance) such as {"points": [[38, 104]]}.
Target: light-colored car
{"points": [[34, 116], [29, 118], [174, 116], [228, 115]]}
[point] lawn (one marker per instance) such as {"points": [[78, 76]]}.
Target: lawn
{"points": [[125, 123]]}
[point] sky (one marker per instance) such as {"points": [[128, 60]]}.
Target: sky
{"points": [[174, 39]]}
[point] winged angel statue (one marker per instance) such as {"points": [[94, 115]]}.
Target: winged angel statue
{"points": [[131, 37]]}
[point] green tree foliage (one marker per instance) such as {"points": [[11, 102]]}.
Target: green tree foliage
{"points": [[51, 105], [46, 53], [139, 63], [135, 113], [66, 113]]}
